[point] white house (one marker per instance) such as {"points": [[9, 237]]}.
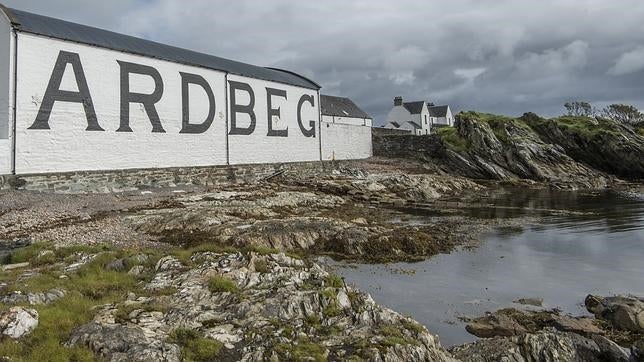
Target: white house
{"points": [[418, 117], [412, 116], [440, 115], [345, 129]]}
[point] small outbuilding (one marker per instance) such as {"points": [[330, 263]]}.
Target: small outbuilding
{"points": [[348, 126], [343, 110]]}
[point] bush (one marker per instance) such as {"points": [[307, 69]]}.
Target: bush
{"points": [[334, 281], [219, 284], [195, 347], [452, 139]]}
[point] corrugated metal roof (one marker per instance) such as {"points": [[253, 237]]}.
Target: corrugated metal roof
{"points": [[341, 107], [64, 30]]}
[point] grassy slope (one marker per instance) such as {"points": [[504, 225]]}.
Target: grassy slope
{"points": [[582, 126]]}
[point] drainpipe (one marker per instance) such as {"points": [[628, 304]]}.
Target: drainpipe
{"points": [[15, 103], [226, 118], [320, 123]]}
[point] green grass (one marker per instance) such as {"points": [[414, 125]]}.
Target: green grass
{"points": [[184, 255], [219, 284], [30, 253], [334, 281], [261, 266], [194, 347], [302, 350], [123, 313], [55, 323], [587, 127], [412, 326], [639, 128], [90, 286], [484, 117], [394, 336], [451, 138]]}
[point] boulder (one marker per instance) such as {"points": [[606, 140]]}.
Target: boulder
{"points": [[18, 322], [548, 345], [623, 313]]}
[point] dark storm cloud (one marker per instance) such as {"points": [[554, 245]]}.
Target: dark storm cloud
{"points": [[496, 56]]}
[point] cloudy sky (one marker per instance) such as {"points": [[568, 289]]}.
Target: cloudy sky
{"points": [[500, 56]]}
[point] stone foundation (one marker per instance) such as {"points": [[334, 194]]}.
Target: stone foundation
{"points": [[139, 179]]}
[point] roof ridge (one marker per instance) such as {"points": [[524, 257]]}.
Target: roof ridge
{"points": [[86, 34]]}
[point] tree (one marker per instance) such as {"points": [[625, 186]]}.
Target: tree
{"points": [[579, 108], [623, 113]]}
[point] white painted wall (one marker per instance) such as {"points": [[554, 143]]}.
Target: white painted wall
{"points": [[67, 146], [348, 120], [6, 80], [399, 114], [258, 147], [448, 120], [344, 142]]}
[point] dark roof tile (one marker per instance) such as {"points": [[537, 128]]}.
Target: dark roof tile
{"points": [[64, 30], [414, 107], [341, 107], [438, 111]]}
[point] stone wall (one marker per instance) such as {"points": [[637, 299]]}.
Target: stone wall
{"points": [[407, 146], [139, 179], [381, 131]]}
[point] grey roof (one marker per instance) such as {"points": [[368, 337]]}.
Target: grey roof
{"points": [[414, 107], [64, 30], [341, 106], [395, 124], [438, 111], [414, 124]]}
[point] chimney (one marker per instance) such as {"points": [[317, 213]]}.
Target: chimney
{"points": [[398, 101]]}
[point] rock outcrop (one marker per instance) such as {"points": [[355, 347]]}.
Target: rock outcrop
{"points": [[257, 307], [603, 144], [507, 149], [623, 313], [547, 345], [17, 322], [565, 152]]}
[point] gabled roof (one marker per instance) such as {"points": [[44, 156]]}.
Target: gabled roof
{"points": [[414, 124], [341, 107], [64, 30], [438, 111], [414, 107], [395, 124]]}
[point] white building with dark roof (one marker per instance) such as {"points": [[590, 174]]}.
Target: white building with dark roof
{"points": [[77, 98], [418, 117], [343, 110], [440, 115], [348, 126]]}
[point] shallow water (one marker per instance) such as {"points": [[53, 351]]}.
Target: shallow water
{"points": [[599, 248]]}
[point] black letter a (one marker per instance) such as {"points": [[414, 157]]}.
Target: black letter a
{"points": [[54, 93]]}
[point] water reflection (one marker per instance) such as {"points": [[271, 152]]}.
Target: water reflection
{"points": [[598, 248]]}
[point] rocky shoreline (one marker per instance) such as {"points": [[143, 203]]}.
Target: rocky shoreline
{"points": [[232, 273], [615, 333]]}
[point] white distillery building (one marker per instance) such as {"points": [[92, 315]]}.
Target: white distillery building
{"points": [[76, 98], [343, 120], [418, 117]]}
